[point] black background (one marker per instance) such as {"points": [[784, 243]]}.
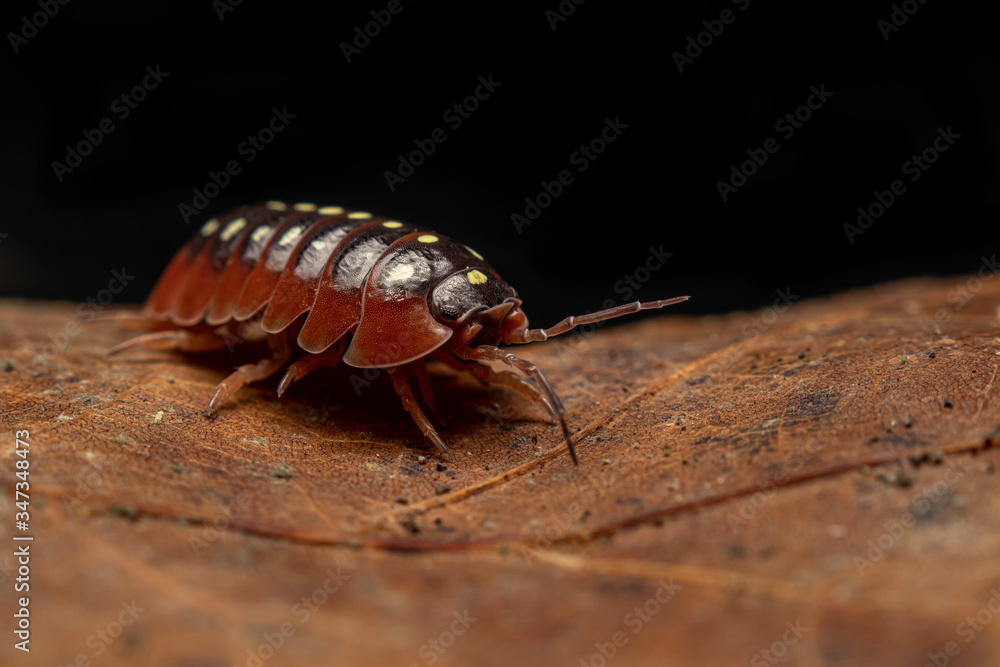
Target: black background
{"points": [[656, 185]]}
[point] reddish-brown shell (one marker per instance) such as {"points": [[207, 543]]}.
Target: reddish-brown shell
{"points": [[346, 271]]}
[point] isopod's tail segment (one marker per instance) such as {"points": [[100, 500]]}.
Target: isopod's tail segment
{"points": [[491, 353], [571, 322]]}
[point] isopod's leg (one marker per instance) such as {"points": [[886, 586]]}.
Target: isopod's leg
{"points": [[252, 372], [426, 392], [410, 404], [507, 378], [310, 362], [492, 353], [174, 339]]}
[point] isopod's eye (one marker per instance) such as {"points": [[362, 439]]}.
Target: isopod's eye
{"points": [[466, 292]]}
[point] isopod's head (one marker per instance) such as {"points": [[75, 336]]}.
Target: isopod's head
{"points": [[426, 293], [478, 306]]}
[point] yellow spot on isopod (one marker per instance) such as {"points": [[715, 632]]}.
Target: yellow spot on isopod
{"points": [[260, 233], [392, 224], [427, 238], [476, 277], [332, 210], [233, 228], [318, 244], [276, 205], [209, 227], [290, 236], [475, 254], [304, 206], [359, 215]]}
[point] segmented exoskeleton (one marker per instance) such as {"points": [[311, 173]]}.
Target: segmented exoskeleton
{"points": [[314, 274]]}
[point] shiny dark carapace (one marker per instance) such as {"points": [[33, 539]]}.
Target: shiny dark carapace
{"points": [[308, 276]]}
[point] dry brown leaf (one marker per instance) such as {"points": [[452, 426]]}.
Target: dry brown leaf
{"points": [[812, 484]]}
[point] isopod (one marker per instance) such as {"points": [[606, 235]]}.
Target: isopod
{"points": [[404, 294]]}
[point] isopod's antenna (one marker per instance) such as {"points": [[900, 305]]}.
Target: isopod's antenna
{"points": [[571, 322]]}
